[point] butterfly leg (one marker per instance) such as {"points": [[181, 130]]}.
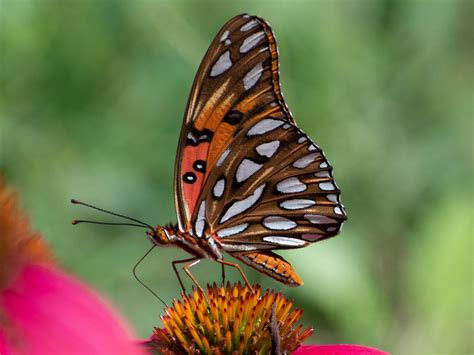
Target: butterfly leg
{"points": [[176, 270], [186, 270], [237, 266]]}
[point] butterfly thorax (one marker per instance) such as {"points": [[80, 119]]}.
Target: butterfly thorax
{"points": [[171, 235]]}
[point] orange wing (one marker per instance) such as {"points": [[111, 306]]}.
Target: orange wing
{"points": [[237, 84]]}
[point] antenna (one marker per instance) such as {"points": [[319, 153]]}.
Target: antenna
{"points": [[140, 281], [77, 221], [76, 202], [137, 224]]}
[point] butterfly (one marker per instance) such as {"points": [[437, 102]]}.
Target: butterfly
{"points": [[248, 181]]}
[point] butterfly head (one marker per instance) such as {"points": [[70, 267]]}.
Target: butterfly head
{"points": [[161, 235]]}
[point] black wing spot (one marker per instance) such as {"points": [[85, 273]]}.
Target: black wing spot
{"points": [[233, 117], [195, 137], [200, 165], [189, 178]]}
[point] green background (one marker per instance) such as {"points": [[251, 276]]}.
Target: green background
{"points": [[92, 95]]}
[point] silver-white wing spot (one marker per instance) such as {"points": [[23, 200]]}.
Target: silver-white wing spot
{"points": [[264, 126], [291, 185], [249, 25], [268, 149], [227, 232], [302, 139], [251, 41], [338, 210], [322, 174], [219, 188], [251, 78], [323, 165], [223, 156], [238, 247], [285, 241], [243, 205], [200, 220], [278, 223], [327, 186], [303, 162], [246, 169], [313, 147], [286, 126], [224, 36], [332, 198], [318, 219], [297, 204], [221, 65]]}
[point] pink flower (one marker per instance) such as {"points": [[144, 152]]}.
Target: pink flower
{"points": [[338, 349], [42, 309]]}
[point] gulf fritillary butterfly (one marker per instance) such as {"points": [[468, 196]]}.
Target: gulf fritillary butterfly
{"points": [[248, 181]]}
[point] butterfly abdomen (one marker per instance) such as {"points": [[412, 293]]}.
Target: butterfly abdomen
{"points": [[271, 264]]}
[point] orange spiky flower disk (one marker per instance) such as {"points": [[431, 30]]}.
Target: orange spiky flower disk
{"points": [[19, 245], [230, 320]]}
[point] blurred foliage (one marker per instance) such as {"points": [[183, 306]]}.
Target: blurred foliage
{"points": [[91, 100]]}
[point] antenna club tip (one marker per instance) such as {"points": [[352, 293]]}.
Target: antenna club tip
{"points": [[74, 222], [73, 200]]}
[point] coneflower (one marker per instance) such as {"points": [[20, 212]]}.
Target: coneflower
{"points": [[228, 320]]}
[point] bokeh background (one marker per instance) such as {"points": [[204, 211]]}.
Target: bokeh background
{"points": [[92, 96]]}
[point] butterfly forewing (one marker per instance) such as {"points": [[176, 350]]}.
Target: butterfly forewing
{"points": [[245, 174], [236, 83]]}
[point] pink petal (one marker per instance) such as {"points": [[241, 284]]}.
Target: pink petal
{"points": [[51, 313], [338, 349]]}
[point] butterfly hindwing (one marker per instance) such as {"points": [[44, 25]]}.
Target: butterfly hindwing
{"points": [[237, 82], [273, 189]]}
